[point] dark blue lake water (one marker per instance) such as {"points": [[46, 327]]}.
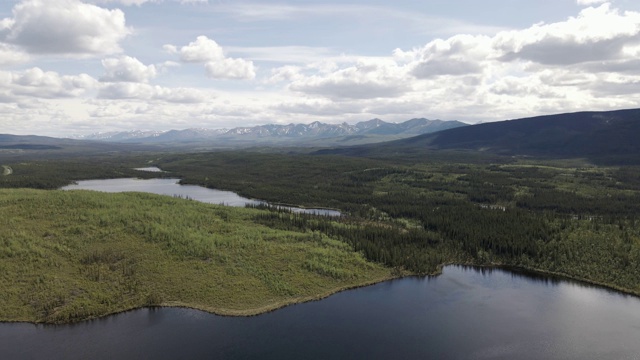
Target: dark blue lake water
{"points": [[466, 313]]}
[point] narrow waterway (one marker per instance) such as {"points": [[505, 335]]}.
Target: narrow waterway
{"points": [[172, 187]]}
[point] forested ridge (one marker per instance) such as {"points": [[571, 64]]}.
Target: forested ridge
{"points": [[566, 217]]}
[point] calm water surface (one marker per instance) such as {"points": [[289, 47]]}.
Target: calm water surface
{"points": [[149, 169], [172, 187], [465, 313]]}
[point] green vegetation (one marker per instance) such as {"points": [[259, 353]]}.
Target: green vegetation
{"points": [[55, 174], [69, 256], [89, 254], [563, 217]]}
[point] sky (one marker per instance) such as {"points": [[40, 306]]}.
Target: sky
{"points": [[72, 67]]}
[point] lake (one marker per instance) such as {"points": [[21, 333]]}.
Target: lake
{"points": [[172, 187], [466, 313]]}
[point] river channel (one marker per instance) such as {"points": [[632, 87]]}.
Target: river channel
{"points": [[172, 187]]}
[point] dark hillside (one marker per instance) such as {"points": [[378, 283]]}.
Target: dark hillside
{"points": [[40, 147], [601, 136]]}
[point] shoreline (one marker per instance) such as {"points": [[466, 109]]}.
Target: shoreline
{"points": [[545, 273], [218, 311], [301, 300]]}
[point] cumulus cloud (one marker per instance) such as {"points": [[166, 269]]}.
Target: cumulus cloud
{"points": [[206, 51], [288, 73], [230, 69], [541, 62], [127, 69], [199, 51], [437, 67], [37, 83], [457, 56], [67, 27], [588, 61], [628, 66], [596, 34], [364, 80], [11, 55], [138, 91], [568, 65]]}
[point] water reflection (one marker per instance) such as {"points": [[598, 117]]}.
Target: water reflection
{"points": [[516, 273], [496, 314], [172, 187], [150, 169]]}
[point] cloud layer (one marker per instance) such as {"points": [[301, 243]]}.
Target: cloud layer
{"points": [[68, 64], [66, 27]]}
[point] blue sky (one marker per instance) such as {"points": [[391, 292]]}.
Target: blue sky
{"points": [[70, 67]]}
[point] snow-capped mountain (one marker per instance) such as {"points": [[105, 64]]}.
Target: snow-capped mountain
{"points": [[374, 128], [120, 135]]}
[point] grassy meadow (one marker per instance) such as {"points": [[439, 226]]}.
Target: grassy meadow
{"points": [[72, 255]]}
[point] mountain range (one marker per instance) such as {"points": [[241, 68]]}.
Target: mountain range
{"points": [[605, 137], [315, 133], [596, 135]]}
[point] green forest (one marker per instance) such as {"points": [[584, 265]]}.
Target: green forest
{"points": [[401, 215]]}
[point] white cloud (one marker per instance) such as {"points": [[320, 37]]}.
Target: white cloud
{"points": [[321, 107], [68, 27], [11, 55], [477, 77], [217, 65], [127, 68], [199, 51], [438, 67], [590, 2], [171, 49], [596, 34], [588, 61], [182, 95], [230, 69], [574, 64], [458, 55], [36, 83], [146, 92], [141, 2], [364, 80], [288, 73]]}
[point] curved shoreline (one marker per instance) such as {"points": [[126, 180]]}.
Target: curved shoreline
{"points": [[221, 311], [300, 300]]}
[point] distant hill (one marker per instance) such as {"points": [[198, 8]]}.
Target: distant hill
{"points": [[316, 134], [313, 134], [595, 135], [31, 146]]}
